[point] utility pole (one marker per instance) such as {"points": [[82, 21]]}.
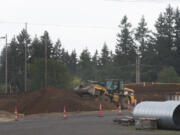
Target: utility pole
{"points": [[45, 73], [6, 66], [25, 63], [137, 69]]}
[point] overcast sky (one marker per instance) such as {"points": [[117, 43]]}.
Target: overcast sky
{"points": [[77, 23]]}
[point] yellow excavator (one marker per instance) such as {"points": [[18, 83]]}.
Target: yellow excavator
{"points": [[111, 90]]}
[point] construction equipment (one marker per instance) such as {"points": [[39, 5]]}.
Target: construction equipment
{"points": [[111, 90]]}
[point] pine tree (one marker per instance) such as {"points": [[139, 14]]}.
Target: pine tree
{"points": [[96, 65], [106, 63], [164, 36], [36, 49], [147, 50], [23, 39], [105, 56], [73, 62], [142, 35], [13, 68], [149, 62], [57, 50], [45, 40], [65, 57], [85, 68], [125, 52], [16, 58], [125, 48], [177, 40], [95, 60]]}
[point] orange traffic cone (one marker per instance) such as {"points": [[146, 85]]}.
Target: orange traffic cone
{"points": [[119, 109], [129, 108], [16, 113], [64, 112], [100, 111], [135, 103]]}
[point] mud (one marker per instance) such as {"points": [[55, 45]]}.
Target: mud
{"points": [[154, 92], [53, 100], [50, 100]]}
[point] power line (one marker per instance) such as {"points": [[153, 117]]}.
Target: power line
{"points": [[8, 22], [136, 1], [62, 25]]}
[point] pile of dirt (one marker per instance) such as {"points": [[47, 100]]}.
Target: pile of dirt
{"points": [[53, 100], [50, 100], [5, 114], [154, 92]]}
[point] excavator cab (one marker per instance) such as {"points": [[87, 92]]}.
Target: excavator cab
{"points": [[115, 86]]}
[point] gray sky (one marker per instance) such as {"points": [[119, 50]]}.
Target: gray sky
{"points": [[78, 23]]}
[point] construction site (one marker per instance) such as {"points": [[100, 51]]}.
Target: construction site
{"points": [[90, 67], [53, 100], [68, 111]]}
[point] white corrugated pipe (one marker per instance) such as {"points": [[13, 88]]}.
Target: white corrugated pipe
{"points": [[167, 113]]}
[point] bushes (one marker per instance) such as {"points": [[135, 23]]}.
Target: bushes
{"points": [[168, 75]]}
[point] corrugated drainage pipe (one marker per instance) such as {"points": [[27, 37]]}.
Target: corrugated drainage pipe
{"points": [[167, 113]]}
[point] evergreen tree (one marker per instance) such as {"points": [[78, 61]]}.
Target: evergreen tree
{"points": [[105, 56], [58, 75], [22, 39], [106, 64], [13, 69], [177, 40], [95, 60], [149, 62], [45, 40], [16, 59], [125, 48], [142, 35], [125, 52], [146, 50], [65, 57], [36, 49], [57, 50], [96, 65], [85, 68], [111, 56], [35, 60], [168, 75], [73, 62], [164, 36]]}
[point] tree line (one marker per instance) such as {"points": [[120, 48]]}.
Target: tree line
{"points": [[159, 53]]}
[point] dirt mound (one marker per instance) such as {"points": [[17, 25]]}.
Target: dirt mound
{"points": [[50, 100], [4, 114], [53, 100], [154, 92]]}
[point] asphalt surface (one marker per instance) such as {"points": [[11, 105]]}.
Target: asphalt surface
{"points": [[87, 123]]}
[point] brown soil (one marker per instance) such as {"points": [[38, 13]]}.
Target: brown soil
{"points": [[4, 114], [154, 92], [53, 100], [50, 100]]}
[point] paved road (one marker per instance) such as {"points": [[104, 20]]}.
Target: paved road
{"points": [[75, 124]]}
